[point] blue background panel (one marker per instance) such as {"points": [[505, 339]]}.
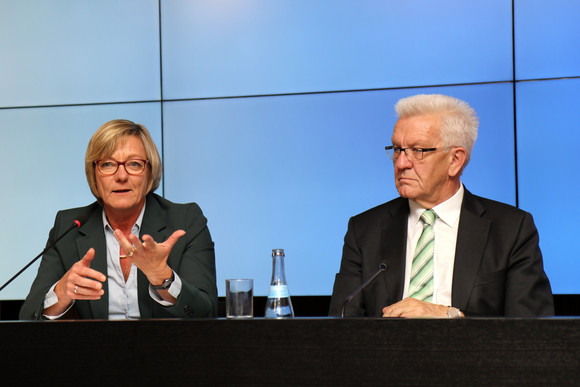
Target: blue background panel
{"points": [[549, 178], [285, 170], [547, 36], [288, 172], [70, 52], [231, 48], [44, 150]]}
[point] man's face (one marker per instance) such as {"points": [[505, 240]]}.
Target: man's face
{"points": [[123, 193], [426, 181]]}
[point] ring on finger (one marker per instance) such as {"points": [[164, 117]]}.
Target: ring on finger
{"points": [[130, 254], [76, 288]]}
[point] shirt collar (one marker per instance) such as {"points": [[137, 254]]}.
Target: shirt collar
{"points": [[448, 211], [137, 222]]}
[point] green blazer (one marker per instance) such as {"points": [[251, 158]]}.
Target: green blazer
{"points": [[192, 258]]}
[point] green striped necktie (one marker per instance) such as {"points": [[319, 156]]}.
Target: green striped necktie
{"points": [[421, 285]]}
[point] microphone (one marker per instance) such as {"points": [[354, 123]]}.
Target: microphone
{"points": [[382, 267], [76, 223]]}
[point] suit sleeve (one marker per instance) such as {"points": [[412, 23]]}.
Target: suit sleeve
{"points": [[528, 291], [349, 277], [195, 265], [50, 271]]}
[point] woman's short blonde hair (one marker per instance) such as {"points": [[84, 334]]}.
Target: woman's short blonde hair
{"points": [[104, 143]]}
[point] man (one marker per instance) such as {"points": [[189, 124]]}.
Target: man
{"points": [[467, 256]]}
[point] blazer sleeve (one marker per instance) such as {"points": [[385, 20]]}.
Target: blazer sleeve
{"points": [[499, 269], [349, 277], [194, 262], [50, 271], [374, 237], [528, 292]]}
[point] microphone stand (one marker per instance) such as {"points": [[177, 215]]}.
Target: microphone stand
{"points": [[382, 267], [76, 223]]}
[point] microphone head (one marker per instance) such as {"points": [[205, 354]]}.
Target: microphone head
{"points": [[383, 266], [80, 220]]}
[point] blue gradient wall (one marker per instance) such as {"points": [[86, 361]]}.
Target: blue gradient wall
{"points": [[273, 115]]}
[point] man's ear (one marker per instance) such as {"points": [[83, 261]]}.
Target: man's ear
{"points": [[458, 156]]}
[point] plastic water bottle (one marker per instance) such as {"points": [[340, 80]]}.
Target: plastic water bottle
{"points": [[278, 304]]}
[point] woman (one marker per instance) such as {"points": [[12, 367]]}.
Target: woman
{"points": [[103, 269]]}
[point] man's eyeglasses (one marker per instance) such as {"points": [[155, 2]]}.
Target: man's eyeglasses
{"points": [[414, 153], [110, 167]]}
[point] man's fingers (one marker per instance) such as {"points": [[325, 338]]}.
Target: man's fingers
{"points": [[410, 307], [391, 312]]}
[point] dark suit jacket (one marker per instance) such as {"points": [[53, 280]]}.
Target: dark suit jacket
{"points": [[498, 268], [192, 258]]}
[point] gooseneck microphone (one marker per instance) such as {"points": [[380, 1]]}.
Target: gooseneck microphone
{"points": [[77, 223], [382, 267]]}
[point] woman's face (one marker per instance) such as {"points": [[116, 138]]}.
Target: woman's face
{"points": [[124, 194]]}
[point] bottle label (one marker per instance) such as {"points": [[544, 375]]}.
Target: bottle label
{"points": [[278, 291]]}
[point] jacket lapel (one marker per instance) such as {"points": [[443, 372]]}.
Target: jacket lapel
{"points": [[393, 248], [472, 235], [154, 224], [93, 235]]}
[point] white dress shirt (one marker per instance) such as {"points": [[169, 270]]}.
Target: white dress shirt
{"points": [[446, 226], [123, 296]]}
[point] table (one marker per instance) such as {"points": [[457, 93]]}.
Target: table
{"points": [[300, 351]]}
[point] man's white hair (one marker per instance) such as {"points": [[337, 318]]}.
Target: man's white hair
{"points": [[459, 121]]}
